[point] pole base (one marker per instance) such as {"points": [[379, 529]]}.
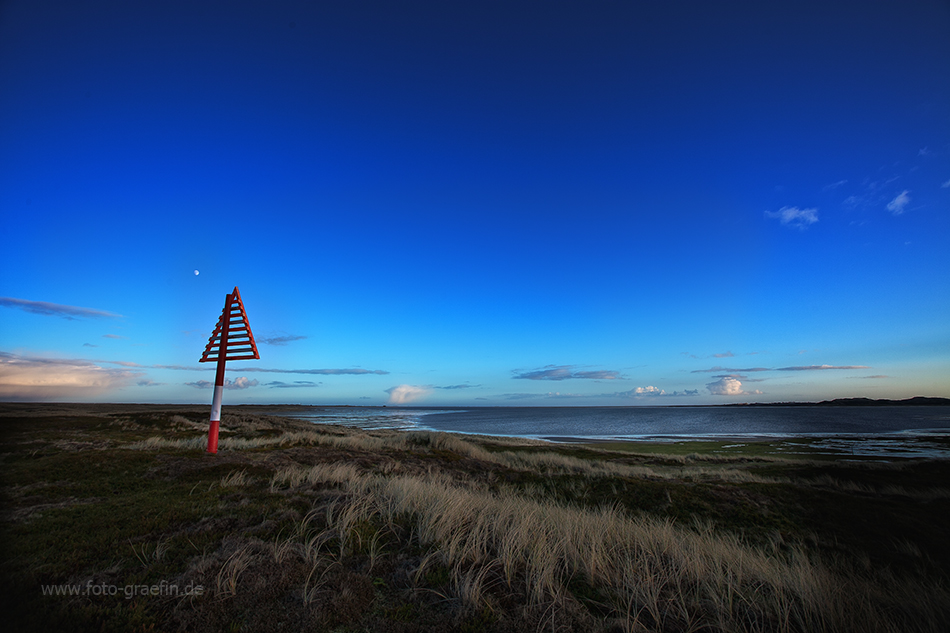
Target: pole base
{"points": [[213, 437]]}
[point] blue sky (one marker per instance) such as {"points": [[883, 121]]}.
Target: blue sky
{"points": [[478, 203]]}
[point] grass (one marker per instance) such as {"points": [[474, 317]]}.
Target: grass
{"points": [[298, 526]]}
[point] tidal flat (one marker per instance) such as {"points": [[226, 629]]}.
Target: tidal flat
{"points": [[116, 519]]}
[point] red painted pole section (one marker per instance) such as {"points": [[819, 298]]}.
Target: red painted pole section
{"points": [[219, 380]]}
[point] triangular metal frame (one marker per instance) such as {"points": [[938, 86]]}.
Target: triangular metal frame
{"points": [[232, 333], [232, 339]]}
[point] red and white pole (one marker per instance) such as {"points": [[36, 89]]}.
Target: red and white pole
{"points": [[219, 380]]}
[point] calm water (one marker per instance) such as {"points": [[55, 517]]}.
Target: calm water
{"points": [[881, 430]]}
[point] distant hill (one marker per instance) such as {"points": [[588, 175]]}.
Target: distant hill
{"points": [[868, 402], [918, 401]]}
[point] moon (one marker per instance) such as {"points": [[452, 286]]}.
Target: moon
{"points": [[196, 272]]}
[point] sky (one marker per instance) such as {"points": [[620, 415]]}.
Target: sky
{"points": [[497, 203]]}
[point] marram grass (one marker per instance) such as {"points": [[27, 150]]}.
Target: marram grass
{"points": [[295, 526]]}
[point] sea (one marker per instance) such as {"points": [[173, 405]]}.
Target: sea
{"points": [[908, 431]]}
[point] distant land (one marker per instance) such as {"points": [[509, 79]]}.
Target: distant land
{"points": [[918, 401]]}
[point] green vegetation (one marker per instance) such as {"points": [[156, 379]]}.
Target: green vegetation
{"points": [[293, 525]]}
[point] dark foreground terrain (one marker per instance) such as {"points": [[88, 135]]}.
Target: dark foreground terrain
{"points": [[115, 519]]}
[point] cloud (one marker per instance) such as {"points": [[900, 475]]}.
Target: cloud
{"points": [[641, 392], [945, 185], [113, 336], [549, 395], [281, 340], [728, 386], [240, 382], [649, 392], [821, 367], [636, 393], [319, 372], [566, 372], [296, 384], [149, 383], [32, 378], [899, 203], [606, 374], [795, 217], [458, 386], [404, 394], [551, 372], [54, 309], [878, 377], [742, 378], [733, 371], [724, 355], [729, 370], [834, 185], [853, 202]]}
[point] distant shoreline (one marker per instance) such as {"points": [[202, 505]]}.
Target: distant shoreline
{"points": [[917, 401]]}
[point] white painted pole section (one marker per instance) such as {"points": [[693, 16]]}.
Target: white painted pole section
{"points": [[216, 403]]}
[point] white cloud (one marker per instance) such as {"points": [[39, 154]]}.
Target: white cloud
{"points": [[793, 216], [899, 203], [404, 394], [648, 392], [30, 378], [728, 386], [241, 382], [946, 184]]}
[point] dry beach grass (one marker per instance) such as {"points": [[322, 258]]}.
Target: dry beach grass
{"points": [[326, 528]]}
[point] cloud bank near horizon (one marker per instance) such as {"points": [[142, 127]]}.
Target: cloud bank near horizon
{"points": [[33, 378]]}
